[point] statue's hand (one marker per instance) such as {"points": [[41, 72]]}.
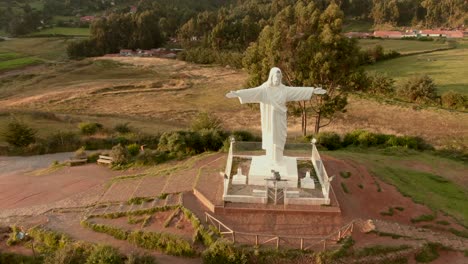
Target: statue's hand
{"points": [[231, 94], [320, 91]]}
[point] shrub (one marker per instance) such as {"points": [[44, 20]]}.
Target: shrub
{"points": [[89, 128], [345, 174], [345, 189], [329, 140], [69, 254], [19, 134], [80, 153], [390, 212], [140, 259], [147, 157], [206, 121], [47, 241], [104, 255], [8, 258], [352, 138], [223, 251], [381, 84], [119, 154], [418, 89], [62, 141], [167, 243], [367, 139], [133, 149], [427, 253], [423, 218], [110, 230], [211, 139], [454, 100], [123, 128]]}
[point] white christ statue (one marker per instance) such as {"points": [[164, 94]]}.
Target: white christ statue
{"points": [[272, 96]]}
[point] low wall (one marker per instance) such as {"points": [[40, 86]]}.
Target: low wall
{"points": [[307, 201], [202, 198], [244, 199]]}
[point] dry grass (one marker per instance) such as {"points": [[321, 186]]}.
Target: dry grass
{"points": [[156, 95]]}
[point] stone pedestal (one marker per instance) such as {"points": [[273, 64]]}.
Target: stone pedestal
{"points": [[239, 179], [261, 167], [307, 182]]}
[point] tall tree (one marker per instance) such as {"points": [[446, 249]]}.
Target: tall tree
{"points": [[311, 51]]}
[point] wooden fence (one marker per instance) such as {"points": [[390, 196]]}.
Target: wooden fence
{"points": [[303, 243]]}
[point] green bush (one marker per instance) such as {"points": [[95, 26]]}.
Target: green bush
{"points": [[427, 253], [421, 89], [123, 128], [133, 149], [423, 218], [223, 251], [367, 139], [7, 258], [381, 84], [119, 155], [70, 254], [454, 100], [18, 134], [329, 140], [104, 255], [352, 138], [206, 121], [89, 128], [110, 230], [140, 259], [61, 141], [47, 241], [169, 244], [345, 189]]}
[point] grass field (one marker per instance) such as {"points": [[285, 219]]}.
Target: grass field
{"points": [[18, 63], [402, 46], [447, 68], [51, 49], [64, 31], [438, 183], [47, 124]]}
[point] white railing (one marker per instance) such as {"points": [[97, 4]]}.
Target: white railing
{"points": [[320, 170]]}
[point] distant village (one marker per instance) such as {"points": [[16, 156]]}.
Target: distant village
{"points": [[411, 33]]}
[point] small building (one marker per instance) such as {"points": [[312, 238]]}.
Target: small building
{"points": [[126, 52], [87, 18], [388, 34], [432, 33], [454, 33]]}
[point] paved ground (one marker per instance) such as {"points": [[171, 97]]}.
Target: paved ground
{"points": [[17, 164]]}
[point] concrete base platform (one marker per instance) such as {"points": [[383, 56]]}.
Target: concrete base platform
{"points": [[261, 167]]}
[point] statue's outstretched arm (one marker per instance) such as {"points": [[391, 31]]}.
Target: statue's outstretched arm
{"points": [[251, 95], [302, 93]]}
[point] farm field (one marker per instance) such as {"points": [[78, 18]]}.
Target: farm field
{"points": [[49, 49], [402, 46], [64, 31], [447, 68], [16, 61]]}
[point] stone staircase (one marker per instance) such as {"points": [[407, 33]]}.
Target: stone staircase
{"points": [[123, 207]]}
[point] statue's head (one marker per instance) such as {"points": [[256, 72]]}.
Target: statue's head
{"points": [[275, 76]]}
